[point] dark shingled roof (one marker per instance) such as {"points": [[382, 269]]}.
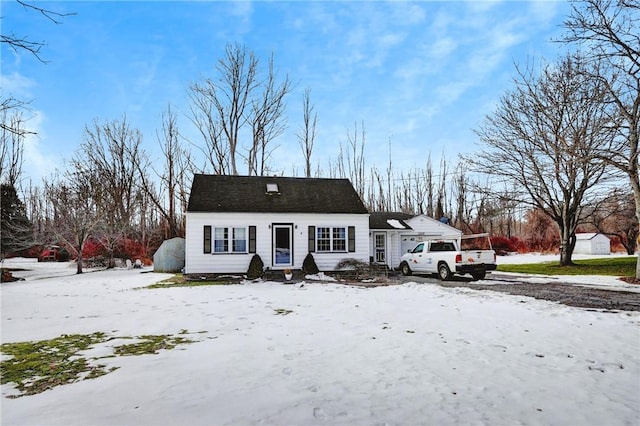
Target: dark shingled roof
{"points": [[378, 220], [248, 194]]}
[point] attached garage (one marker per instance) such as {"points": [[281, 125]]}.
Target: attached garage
{"points": [[592, 243], [392, 234]]}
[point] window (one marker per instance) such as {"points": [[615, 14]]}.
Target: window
{"points": [[324, 239], [226, 240], [239, 240], [331, 239], [339, 239], [221, 240], [272, 188]]}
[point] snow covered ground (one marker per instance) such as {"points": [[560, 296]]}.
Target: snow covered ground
{"points": [[405, 354]]}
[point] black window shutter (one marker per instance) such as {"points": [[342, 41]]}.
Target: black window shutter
{"points": [[252, 239], [207, 238], [312, 239], [352, 238]]}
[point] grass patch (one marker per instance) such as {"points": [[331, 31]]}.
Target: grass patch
{"points": [[613, 266], [150, 344], [179, 280], [34, 367]]}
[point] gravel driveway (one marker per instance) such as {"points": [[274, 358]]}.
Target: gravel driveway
{"points": [[566, 293]]}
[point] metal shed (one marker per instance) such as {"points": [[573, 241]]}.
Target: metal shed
{"points": [[170, 256], [592, 243]]}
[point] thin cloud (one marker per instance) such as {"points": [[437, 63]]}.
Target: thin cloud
{"points": [[17, 85], [38, 161]]}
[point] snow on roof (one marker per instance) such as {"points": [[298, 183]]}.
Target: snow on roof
{"points": [[396, 224], [587, 235]]}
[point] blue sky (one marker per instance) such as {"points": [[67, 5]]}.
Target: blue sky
{"points": [[419, 75]]}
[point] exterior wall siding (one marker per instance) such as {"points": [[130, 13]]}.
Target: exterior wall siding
{"points": [[238, 263], [392, 240]]}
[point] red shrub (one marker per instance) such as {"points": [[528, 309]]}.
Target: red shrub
{"points": [[504, 245], [131, 249], [93, 248]]}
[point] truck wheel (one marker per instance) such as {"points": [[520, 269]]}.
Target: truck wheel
{"points": [[479, 275], [443, 272], [404, 268]]}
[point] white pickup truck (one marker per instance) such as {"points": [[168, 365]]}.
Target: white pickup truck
{"points": [[471, 254]]}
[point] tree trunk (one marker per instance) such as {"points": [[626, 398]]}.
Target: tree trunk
{"points": [[567, 244], [79, 260], [635, 183]]}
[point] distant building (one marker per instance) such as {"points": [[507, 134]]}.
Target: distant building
{"points": [[592, 243]]}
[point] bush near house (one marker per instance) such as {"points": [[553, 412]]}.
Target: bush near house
{"points": [[309, 265], [256, 268]]}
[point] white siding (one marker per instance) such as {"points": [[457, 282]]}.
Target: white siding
{"points": [[199, 262], [394, 251], [429, 227], [592, 244]]}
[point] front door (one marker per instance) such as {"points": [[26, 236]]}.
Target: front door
{"points": [[282, 245], [380, 247]]}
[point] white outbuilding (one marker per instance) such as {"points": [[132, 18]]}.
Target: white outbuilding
{"points": [[170, 256], [592, 243]]}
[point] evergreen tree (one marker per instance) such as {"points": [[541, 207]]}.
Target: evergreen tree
{"points": [[16, 232]]}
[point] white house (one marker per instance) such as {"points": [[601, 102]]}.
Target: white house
{"points": [[229, 219], [392, 234], [592, 243]]}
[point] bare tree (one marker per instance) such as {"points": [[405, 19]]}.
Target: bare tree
{"points": [[428, 175], [110, 151], [75, 212], [355, 159], [609, 32], [11, 147], [12, 120], [169, 197], [307, 135], [267, 121], [542, 139], [203, 116], [220, 104], [440, 212], [19, 42], [615, 216], [23, 43]]}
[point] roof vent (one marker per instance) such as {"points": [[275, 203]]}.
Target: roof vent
{"points": [[272, 188]]}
